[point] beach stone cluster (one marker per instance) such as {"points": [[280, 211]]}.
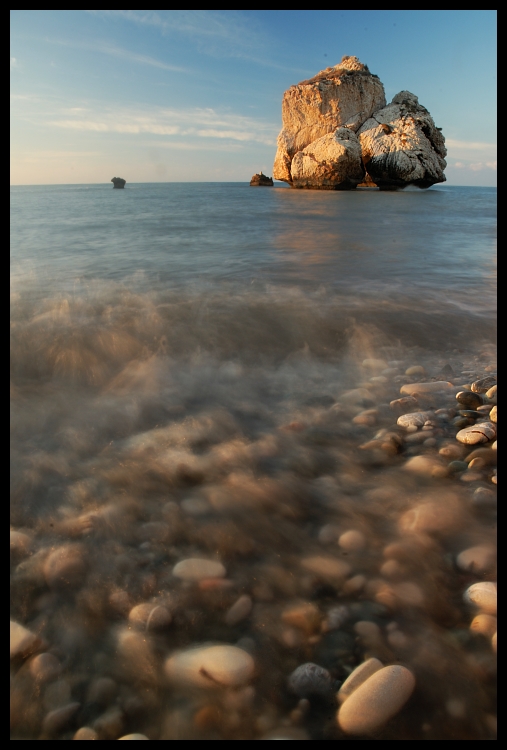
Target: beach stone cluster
{"points": [[339, 133]]}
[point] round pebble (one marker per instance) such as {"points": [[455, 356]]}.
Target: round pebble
{"points": [[470, 399], [133, 737], [481, 432], [483, 385], [66, 567], [196, 569], [86, 733], [415, 370], [376, 700], [409, 389], [328, 568], [310, 679], [484, 624], [480, 559], [352, 541], [493, 414], [357, 677], [483, 596], [44, 667], [150, 616], [414, 419], [239, 610], [210, 667], [22, 641], [20, 544]]}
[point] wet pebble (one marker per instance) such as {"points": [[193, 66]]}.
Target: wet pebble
{"points": [[133, 737], [483, 385], [376, 701], [469, 399], [22, 641], [414, 419], [352, 540], [58, 719], [481, 432], [493, 414], [86, 733], [150, 616], [491, 394], [434, 386], [20, 544], [310, 679], [44, 667], [66, 567], [357, 677], [480, 559], [484, 625], [415, 370], [327, 568], [196, 569], [239, 610], [102, 691], [483, 596], [304, 616], [210, 667]]}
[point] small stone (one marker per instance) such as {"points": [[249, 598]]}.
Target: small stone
{"points": [[336, 617], [327, 568], [483, 596], [310, 679], [195, 569], [484, 384], [210, 667], [493, 414], [239, 610], [484, 498], [424, 465], [470, 399], [415, 370], [454, 451], [328, 534], [455, 467], [304, 616], [375, 364], [357, 677], [432, 517], [410, 389], [20, 544], [44, 667], [487, 455], [492, 393], [150, 616], [66, 567], [195, 506], [484, 625], [86, 733], [376, 701], [359, 396], [480, 432], [134, 737], [403, 404], [352, 541], [58, 719], [354, 584], [480, 559], [22, 641], [110, 724], [102, 691], [414, 419]]}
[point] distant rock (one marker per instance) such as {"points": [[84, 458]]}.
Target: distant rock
{"points": [[261, 179], [118, 182], [338, 133]]}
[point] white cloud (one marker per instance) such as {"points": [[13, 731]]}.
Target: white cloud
{"points": [[113, 51], [476, 166]]}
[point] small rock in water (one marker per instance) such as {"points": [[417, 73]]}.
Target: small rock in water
{"points": [[470, 399], [150, 616], [493, 414], [58, 719], [480, 559], [376, 701], [86, 733], [196, 569], [414, 419], [484, 625], [20, 544], [210, 667], [304, 616], [352, 541], [23, 642], [310, 679], [484, 384], [492, 393], [239, 610], [327, 568], [44, 667], [424, 465], [375, 364], [409, 389], [66, 567], [415, 370], [134, 737], [481, 432], [357, 677], [483, 596]]}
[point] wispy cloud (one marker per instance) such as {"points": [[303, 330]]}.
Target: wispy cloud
{"points": [[469, 145], [113, 50], [168, 122], [476, 166]]}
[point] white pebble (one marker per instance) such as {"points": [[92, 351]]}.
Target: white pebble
{"points": [[22, 641], [480, 559], [210, 667], [409, 389], [352, 541], [196, 569], [357, 677], [133, 737], [415, 419], [481, 432], [150, 616], [483, 596]]}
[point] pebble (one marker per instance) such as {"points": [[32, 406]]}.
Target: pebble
{"points": [[44, 667], [328, 534], [493, 642], [487, 455], [86, 733], [484, 624], [403, 404], [360, 396], [310, 679], [58, 719], [110, 724], [454, 451], [239, 610], [415, 370], [20, 544], [483, 596], [492, 393], [414, 419], [196, 568], [470, 399], [424, 465], [375, 364], [354, 584], [357, 677], [431, 517], [480, 432], [22, 641], [484, 498], [376, 700], [352, 541], [304, 616], [328, 568], [409, 389], [493, 414], [210, 667], [195, 506], [480, 559], [483, 385], [66, 567], [102, 691], [134, 737], [150, 616]]}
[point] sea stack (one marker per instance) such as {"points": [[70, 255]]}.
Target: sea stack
{"points": [[338, 132], [261, 179], [118, 182]]}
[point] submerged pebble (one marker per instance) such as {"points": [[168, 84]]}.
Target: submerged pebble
{"points": [[483, 596], [310, 679], [210, 667], [196, 569]]}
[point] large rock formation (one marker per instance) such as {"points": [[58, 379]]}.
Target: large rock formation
{"points": [[338, 133], [118, 182]]}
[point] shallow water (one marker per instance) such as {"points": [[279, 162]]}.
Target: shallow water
{"points": [[185, 362]]}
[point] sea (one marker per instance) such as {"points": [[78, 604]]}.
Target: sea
{"points": [[206, 383]]}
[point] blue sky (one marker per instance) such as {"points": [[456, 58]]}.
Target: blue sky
{"points": [[196, 95]]}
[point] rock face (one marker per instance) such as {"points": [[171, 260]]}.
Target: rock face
{"points": [[118, 182], [338, 133], [261, 179]]}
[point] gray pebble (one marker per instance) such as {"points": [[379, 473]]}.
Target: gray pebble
{"points": [[310, 679]]}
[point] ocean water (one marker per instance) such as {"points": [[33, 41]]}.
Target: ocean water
{"points": [[206, 371]]}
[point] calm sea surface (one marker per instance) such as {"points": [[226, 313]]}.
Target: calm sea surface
{"points": [[206, 371]]}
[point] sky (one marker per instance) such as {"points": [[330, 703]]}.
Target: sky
{"points": [[195, 96]]}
